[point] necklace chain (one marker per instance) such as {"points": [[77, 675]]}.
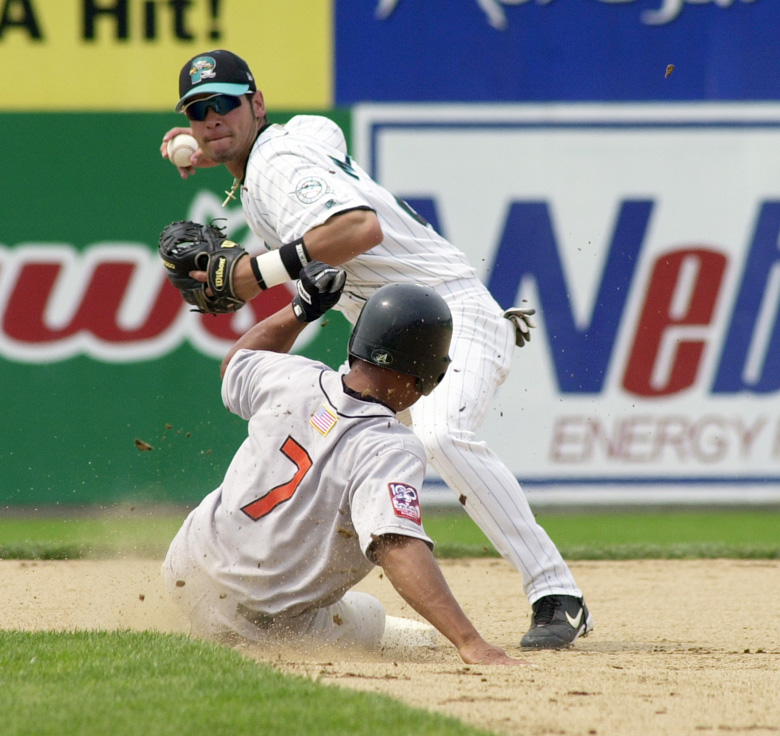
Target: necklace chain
{"points": [[232, 193]]}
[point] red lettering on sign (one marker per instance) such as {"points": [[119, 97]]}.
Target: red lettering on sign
{"points": [[24, 317], [670, 339], [109, 301]]}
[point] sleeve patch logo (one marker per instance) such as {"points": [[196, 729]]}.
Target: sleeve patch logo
{"points": [[310, 189], [323, 420], [406, 501]]}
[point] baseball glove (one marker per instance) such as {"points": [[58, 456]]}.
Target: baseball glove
{"points": [[189, 246]]}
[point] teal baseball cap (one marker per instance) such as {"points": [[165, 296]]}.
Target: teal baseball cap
{"points": [[216, 72]]}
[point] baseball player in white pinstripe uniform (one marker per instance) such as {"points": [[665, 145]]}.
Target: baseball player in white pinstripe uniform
{"points": [[325, 485], [309, 200]]}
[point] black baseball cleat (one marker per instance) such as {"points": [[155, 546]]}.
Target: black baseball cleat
{"points": [[556, 622]]}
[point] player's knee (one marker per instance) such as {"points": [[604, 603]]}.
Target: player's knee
{"points": [[358, 619], [442, 439]]}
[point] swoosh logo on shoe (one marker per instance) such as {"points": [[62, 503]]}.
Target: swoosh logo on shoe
{"points": [[574, 622]]}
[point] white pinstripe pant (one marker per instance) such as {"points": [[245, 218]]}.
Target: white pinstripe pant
{"points": [[446, 421]]}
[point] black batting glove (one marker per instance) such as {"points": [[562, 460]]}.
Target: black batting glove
{"points": [[520, 317], [319, 289]]}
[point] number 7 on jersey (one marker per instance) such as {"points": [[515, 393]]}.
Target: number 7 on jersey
{"points": [[267, 503]]}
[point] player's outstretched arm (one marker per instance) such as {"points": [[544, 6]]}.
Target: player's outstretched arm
{"points": [[276, 333], [414, 573], [319, 289], [338, 240]]}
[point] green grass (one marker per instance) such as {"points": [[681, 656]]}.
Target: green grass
{"points": [[126, 683], [141, 532], [699, 534], [640, 535], [643, 535], [620, 536], [123, 683]]}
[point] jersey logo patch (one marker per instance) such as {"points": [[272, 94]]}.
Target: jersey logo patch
{"points": [[310, 189], [406, 501], [323, 420]]}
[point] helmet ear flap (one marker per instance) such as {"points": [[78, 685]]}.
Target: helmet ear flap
{"points": [[406, 328]]}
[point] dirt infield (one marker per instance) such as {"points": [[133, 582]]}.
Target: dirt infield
{"points": [[680, 647]]}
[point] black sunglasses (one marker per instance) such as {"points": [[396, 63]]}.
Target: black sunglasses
{"points": [[220, 104]]}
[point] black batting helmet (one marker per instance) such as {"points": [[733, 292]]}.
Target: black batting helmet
{"points": [[406, 328]]}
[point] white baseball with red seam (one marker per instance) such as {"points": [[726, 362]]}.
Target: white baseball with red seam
{"points": [[181, 148]]}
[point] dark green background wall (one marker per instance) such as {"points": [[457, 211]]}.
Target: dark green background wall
{"points": [[68, 427]]}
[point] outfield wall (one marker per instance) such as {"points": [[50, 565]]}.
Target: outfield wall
{"points": [[612, 163]]}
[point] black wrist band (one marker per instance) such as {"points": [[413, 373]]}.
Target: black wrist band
{"points": [[294, 257]]}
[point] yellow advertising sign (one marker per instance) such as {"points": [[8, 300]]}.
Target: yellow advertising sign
{"points": [[126, 54]]}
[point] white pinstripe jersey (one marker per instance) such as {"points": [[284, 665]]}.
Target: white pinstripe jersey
{"points": [[320, 474], [299, 174]]}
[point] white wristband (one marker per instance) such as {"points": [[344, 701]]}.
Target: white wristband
{"points": [[269, 269]]}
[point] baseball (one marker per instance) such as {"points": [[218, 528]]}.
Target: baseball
{"points": [[181, 148]]}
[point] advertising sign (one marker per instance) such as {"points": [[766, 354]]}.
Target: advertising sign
{"points": [[126, 54], [109, 385], [647, 238], [540, 50]]}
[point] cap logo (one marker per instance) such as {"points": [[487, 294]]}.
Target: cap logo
{"points": [[202, 68]]}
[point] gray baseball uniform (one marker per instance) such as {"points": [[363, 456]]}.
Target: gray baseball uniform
{"points": [[274, 550], [298, 176]]}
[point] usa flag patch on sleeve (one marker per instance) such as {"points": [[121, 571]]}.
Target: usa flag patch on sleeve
{"points": [[323, 420], [406, 501]]}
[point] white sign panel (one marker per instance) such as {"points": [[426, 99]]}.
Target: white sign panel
{"points": [[647, 238]]}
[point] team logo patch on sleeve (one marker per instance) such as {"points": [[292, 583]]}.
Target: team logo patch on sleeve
{"points": [[323, 420], [310, 189], [406, 501]]}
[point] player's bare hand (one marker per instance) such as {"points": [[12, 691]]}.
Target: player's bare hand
{"points": [[480, 652], [199, 159], [244, 282]]}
